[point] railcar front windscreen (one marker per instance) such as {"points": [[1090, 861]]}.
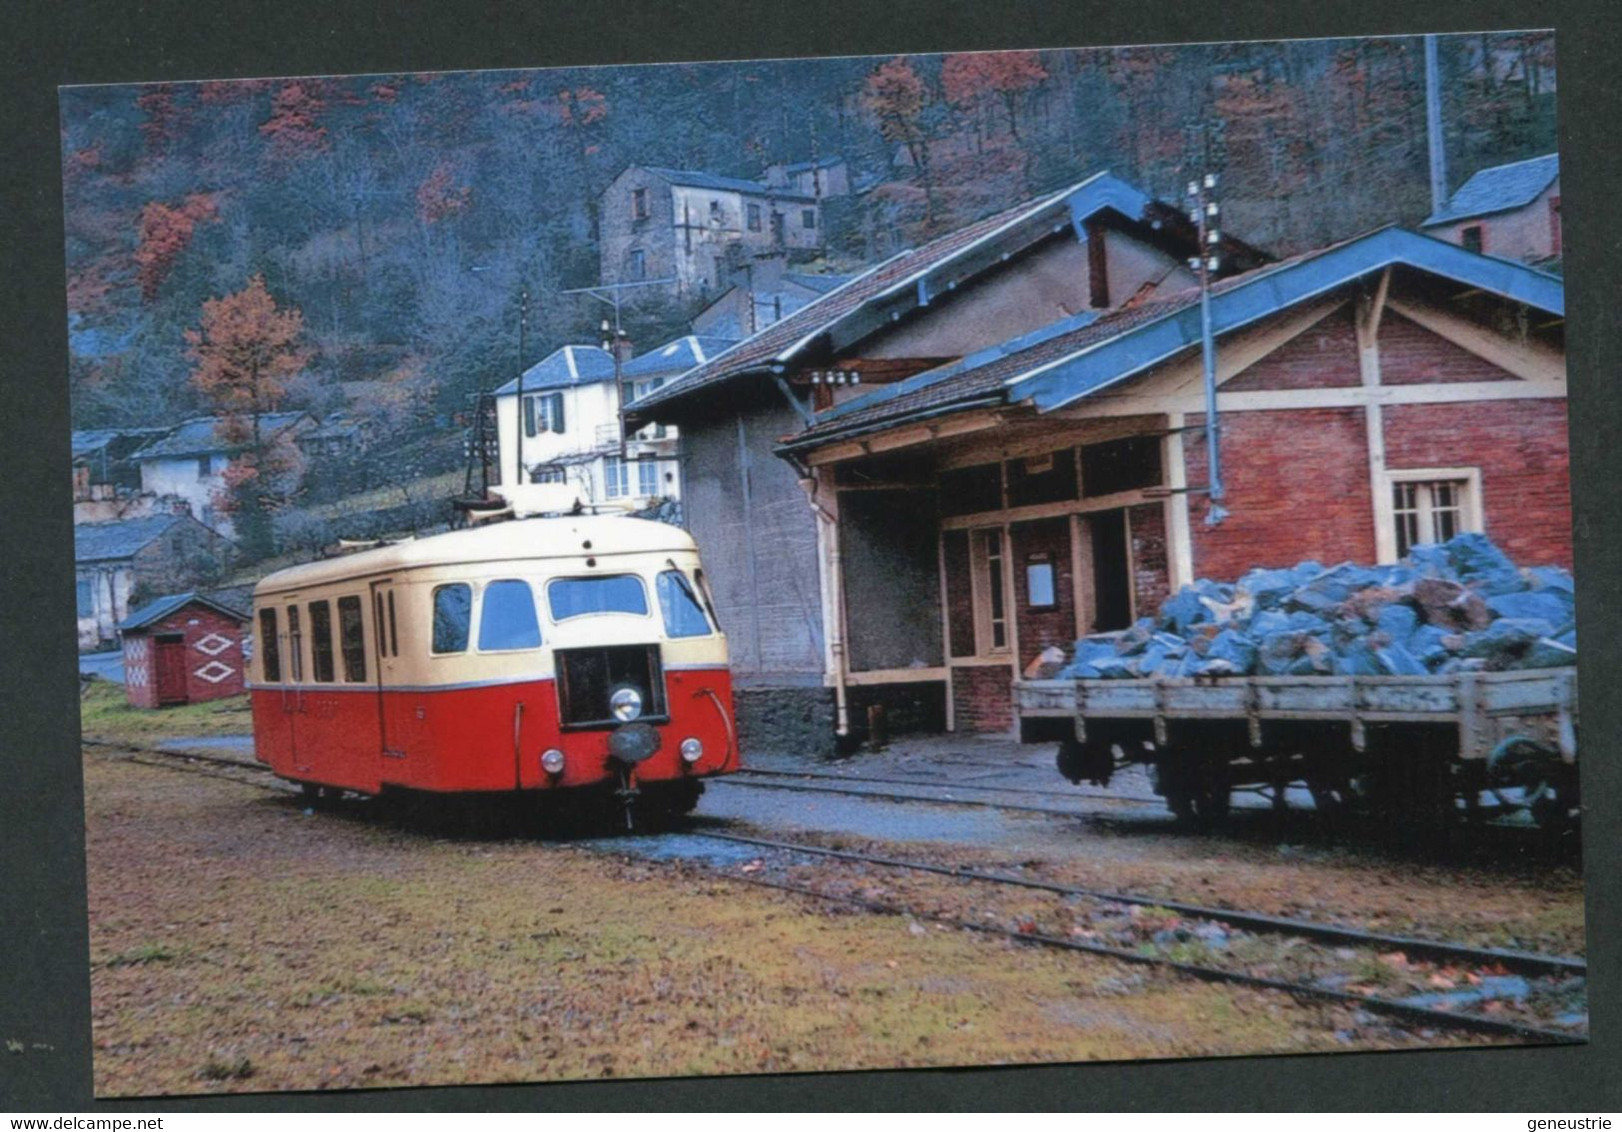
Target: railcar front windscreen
{"points": [[612, 593]]}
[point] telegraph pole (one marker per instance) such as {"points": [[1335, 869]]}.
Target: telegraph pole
{"points": [[1203, 212], [1433, 125], [610, 293], [523, 330]]}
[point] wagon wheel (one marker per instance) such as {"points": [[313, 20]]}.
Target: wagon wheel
{"points": [[1195, 792]]}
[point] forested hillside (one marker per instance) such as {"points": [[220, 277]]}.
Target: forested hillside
{"points": [[401, 214]]}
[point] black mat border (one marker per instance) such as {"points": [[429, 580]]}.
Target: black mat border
{"points": [[44, 999]]}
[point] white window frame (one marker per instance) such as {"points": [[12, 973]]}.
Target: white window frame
{"points": [[540, 411], [1471, 512], [616, 478], [646, 469], [982, 565]]}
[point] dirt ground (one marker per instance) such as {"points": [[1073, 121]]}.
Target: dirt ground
{"points": [[242, 944]]}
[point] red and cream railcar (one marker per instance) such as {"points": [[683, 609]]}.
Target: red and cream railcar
{"points": [[531, 655]]}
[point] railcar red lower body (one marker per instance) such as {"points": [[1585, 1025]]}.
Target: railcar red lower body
{"points": [[486, 738]]}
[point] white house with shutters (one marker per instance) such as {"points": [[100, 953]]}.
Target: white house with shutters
{"points": [[560, 423]]}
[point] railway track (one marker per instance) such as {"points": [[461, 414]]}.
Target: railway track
{"points": [[1528, 963], [811, 780], [740, 779]]}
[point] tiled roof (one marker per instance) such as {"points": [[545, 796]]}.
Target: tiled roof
{"points": [[201, 435], [564, 367], [761, 349], [1062, 363], [676, 356], [697, 179], [1499, 188], [108, 542], [159, 608]]}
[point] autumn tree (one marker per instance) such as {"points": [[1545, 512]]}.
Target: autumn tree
{"points": [[165, 232], [895, 96], [1005, 77], [245, 351], [294, 127]]}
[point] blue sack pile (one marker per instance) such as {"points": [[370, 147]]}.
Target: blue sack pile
{"points": [[1457, 606]]}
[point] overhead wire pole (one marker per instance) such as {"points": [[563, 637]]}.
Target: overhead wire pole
{"points": [[1433, 125], [1203, 212], [610, 293]]}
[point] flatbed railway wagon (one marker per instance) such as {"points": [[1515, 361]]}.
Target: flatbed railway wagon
{"points": [[568, 657], [1416, 748]]}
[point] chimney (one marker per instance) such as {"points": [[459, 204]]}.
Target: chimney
{"points": [[622, 348], [180, 506]]}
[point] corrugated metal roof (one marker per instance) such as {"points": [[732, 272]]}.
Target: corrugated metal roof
{"points": [[1499, 188], [698, 179], [202, 435], [1058, 368], [159, 608], [564, 367], [108, 542]]}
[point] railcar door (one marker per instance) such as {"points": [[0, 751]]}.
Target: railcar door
{"points": [[386, 641], [293, 699]]}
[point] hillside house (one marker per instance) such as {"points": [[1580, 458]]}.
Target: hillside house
{"points": [[567, 428], [1510, 211], [767, 526], [759, 293], [120, 562], [189, 461], [678, 224], [185, 648], [822, 178]]}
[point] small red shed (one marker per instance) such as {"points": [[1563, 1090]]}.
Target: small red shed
{"points": [[183, 649]]}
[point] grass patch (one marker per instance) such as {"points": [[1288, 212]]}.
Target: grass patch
{"points": [[105, 714], [219, 1069], [146, 953]]}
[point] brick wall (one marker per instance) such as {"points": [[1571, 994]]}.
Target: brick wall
{"points": [[1056, 624], [983, 698], [1521, 449], [1323, 356], [1151, 571], [212, 649], [1298, 487], [1412, 355]]}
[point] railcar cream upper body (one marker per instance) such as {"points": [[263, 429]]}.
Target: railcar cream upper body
{"points": [[569, 566]]}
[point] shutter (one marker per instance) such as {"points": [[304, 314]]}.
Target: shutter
{"points": [[529, 416], [557, 412]]}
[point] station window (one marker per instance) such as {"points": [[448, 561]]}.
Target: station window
{"points": [[507, 619], [616, 477], [990, 593], [1433, 506], [270, 648], [612, 593], [647, 477], [321, 658], [684, 616], [352, 639], [453, 616]]}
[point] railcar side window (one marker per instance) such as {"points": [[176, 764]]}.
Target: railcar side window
{"points": [[270, 648], [453, 616], [321, 642], [507, 619], [295, 644], [611, 593], [684, 617], [352, 636]]}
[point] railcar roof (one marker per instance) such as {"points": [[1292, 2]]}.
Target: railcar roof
{"points": [[514, 539]]}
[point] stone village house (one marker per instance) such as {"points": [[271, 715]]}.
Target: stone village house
{"points": [[993, 444], [117, 564], [1510, 211], [685, 225]]}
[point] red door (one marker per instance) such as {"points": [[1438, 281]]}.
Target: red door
{"points": [[170, 668]]}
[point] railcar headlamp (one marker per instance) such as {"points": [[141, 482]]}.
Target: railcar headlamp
{"points": [[691, 750], [625, 704], [552, 761]]}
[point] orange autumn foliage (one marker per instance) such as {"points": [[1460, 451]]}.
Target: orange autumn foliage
{"points": [[245, 350], [165, 232]]}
